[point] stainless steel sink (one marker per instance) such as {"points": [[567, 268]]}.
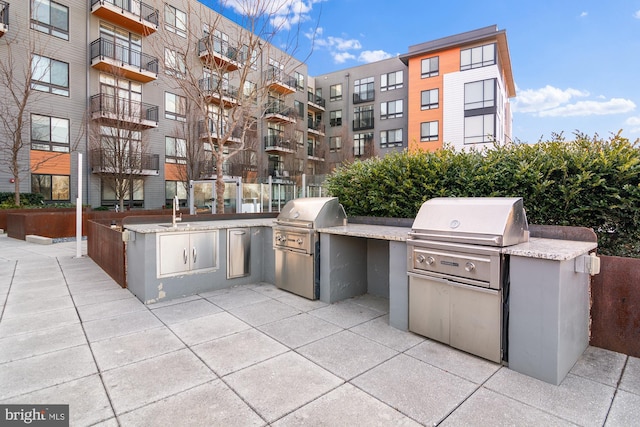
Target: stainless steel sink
{"points": [[178, 225]]}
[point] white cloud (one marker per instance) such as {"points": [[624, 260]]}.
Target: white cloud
{"points": [[373, 55], [341, 57], [634, 122], [538, 100], [591, 108], [583, 14], [282, 14], [637, 14]]}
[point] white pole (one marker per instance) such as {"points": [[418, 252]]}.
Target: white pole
{"points": [[79, 210]]}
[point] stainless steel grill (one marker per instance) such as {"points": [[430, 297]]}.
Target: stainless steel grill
{"points": [[296, 242], [458, 275]]}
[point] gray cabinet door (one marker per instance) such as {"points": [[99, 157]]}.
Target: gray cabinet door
{"points": [[238, 252], [173, 249], [203, 252]]}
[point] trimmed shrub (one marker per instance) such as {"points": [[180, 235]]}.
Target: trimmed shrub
{"points": [[588, 182]]}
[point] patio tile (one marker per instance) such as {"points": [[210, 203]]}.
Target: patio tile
{"points": [[46, 370], [380, 331], [38, 322], [346, 406], [299, 330], [109, 309], [186, 311], [576, 399], [37, 283], [269, 290], [346, 354], [100, 296], [301, 303], [274, 387], [93, 286], [138, 384], [216, 405], [372, 301], [31, 344], [346, 314], [50, 291], [598, 364], [131, 348], [423, 392], [86, 397], [125, 324], [208, 328], [487, 408], [162, 304], [237, 297], [264, 312], [625, 410], [454, 361], [237, 351], [631, 377], [22, 306]]}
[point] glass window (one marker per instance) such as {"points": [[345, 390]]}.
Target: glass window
{"points": [[174, 188], [391, 109], [299, 81], [175, 107], [335, 118], [51, 18], [335, 143], [391, 81], [175, 20], [429, 131], [335, 92], [49, 133], [363, 117], [479, 129], [360, 143], [429, 99], [430, 67], [363, 90], [52, 187], [391, 138], [49, 75], [174, 63], [477, 57], [175, 150], [480, 94]]}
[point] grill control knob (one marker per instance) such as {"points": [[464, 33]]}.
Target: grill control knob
{"points": [[430, 260], [469, 266], [299, 241], [420, 259]]}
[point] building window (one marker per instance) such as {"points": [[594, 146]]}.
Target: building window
{"points": [[481, 94], [391, 109], [477, 57], [363, 90], [391, 138], [52, 187], [430, 67], [49, 75], [175, 107], [335, 118], [173, 189], [49, 133], [175, 150], [360, 141], [299, 137], [429, 99], [299, 81], [135, 200], [363, 117], [51, 18], [429, 131], [299, 108], [174, 63], [175, 20], [335, 92], [391, 81], [479, 129], [335, 143]]}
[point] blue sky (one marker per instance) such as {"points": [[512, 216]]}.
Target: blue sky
{"points": [[576, 64]]}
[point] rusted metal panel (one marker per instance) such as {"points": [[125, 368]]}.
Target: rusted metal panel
{"points": [[106, 248], [615, 309]]}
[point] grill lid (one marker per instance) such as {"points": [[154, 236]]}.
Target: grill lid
{"points": [[493, 221], [312, 212]]}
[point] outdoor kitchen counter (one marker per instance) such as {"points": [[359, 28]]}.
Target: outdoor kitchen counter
{"points": [[550, 249], [382, 232], [199, 225]]}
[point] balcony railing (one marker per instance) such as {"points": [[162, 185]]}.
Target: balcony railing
{"points": [[109, 161], [236, 134], [364, 96], [277, 141], [276, 76], [108, 49], [318, 100], [363, 123], [316, 152], [315, 126], [279, 108], [123, 109], [4, 17], [225, 54], [135, 7], [212, 86]]}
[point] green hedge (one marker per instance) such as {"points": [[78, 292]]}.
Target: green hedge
{"points": [[26, 200], [590, 182]]}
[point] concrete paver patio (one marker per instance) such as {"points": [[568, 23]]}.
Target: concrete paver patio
{"points": [[256, 355]]}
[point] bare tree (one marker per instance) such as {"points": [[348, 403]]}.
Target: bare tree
{"points": [[227, 76]]}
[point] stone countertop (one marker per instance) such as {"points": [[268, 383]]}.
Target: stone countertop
{"points": [[381, 232], [199, 225], [550, 249]]}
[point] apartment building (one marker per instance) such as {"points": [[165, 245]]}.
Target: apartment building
{"points": [[150, 92]]}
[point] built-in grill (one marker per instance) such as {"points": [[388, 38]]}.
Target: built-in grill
{"points": [[296, 242], [458, 274]]}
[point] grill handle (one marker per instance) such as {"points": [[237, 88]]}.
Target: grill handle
{"points": [[496, 240]]}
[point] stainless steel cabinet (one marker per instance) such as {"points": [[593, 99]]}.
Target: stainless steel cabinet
{"points": [[238, 252], [179, 253]]}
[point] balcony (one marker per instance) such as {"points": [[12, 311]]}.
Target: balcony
{"points": [[122, 61], [315, 127], [278, 81], [315, 153], [363, 123], [122, 112], [316, 103], [214, 50], [108, 161], [4, 17], [277, 144], [364, 96], [235, 137], [217, 92], [133, 15], [277, 112]]}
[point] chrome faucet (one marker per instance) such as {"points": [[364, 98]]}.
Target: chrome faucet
{"points": [[176, 207]]}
